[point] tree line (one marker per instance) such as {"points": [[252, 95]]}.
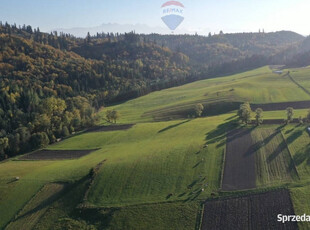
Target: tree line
{"points": [[245, 115]]}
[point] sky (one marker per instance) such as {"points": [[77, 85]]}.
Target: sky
{"points": [[201, 16]]}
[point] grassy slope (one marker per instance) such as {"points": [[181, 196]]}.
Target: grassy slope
{"points": [[300, 197], [166, 152], [161, 216], [281, 114], [133, 157], [33, 175], [150, 161], [256, 86], [274, 164], [63, 215], [302, 77], [36, 207], [298, 141]]}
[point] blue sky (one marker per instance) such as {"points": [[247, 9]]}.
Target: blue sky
{"points": [[200, 15]]}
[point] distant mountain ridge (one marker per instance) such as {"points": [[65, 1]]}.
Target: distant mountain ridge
{"points": [[118, 28]]}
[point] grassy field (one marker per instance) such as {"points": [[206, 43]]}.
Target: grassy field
{"points": [[155, 162], [281, 114], [158, 171], [151, 162], [302, 77], [298, 141], [300, 197], [256, 86], [36, 207], [64, 215], [273, 160], [157, 216]]}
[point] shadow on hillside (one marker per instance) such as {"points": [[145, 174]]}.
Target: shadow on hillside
{"points": [[280, 127], [302, 156], [12, 181], [173, 126], [294, 136], [289, 131], [219, 134], [280, 148], [261, 143], [44, 204], [197, 164], [231, 118]]}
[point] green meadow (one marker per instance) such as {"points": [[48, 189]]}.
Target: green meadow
{"points": [[157, 173], [256, 86]]}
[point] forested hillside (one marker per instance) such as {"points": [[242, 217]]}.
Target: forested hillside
{"points": [[52, 84], [48, 93], [220, 48]]}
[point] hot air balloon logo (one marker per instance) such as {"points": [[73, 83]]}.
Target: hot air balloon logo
{"points": [[172, 14]]}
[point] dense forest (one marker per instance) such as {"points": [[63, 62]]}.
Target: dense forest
{"points": [[52, 84], [47, 93], [220, 48]]}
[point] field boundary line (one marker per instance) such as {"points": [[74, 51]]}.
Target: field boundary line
{"points": [[299, 85], [92, 175], [21, 209], [246, 193], [18, 213], [224, 195], [200, 216], [91, 206], [290, 153], [223, 165]]}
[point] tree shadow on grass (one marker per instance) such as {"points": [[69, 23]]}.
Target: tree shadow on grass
{"points": [[197, 164], [196, 195], [289, 131], [12, 181], [219, 133], [295, 135], [99, 217], [173, 126], [182, 194], [281, 147], [230, 118], [44, 204], [302, 155], [280, 127], [261, 143], [191, 185]]}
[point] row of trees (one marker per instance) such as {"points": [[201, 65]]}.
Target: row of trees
{"points": [[245, 115]]}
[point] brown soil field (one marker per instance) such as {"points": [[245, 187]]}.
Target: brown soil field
{"points": [[239, 169], [282, 105], [253, 212], [56, 154], [110, 128]]}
